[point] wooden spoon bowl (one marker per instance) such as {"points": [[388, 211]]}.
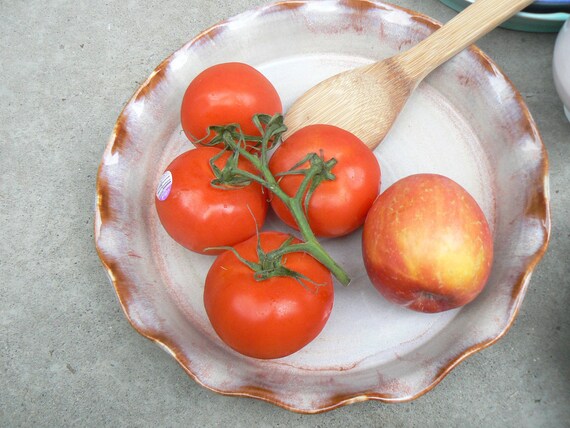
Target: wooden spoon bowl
{"points": [[367, 100]]}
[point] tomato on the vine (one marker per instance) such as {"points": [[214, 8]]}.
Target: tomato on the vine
{"points": [[339, 206], [273, 317], [225, 94], [197, 214]]}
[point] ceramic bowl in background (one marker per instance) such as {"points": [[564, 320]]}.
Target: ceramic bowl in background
{"points": [[561, 66], [465, 121], [543, 16], [548, 6]]}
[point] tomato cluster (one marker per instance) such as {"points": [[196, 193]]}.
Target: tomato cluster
{"points": [[268, 294]]}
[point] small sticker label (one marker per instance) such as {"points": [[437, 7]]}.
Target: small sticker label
{"points": [[164, 186]]}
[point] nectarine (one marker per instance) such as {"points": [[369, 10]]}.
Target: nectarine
{"points": [[426, 244]]}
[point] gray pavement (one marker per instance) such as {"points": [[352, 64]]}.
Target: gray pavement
{"points": [[69, 357]]}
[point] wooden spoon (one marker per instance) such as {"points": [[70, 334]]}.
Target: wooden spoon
{"points": [[367, 100]]}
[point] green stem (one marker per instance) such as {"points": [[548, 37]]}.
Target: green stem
{"points": [[311, 245]]}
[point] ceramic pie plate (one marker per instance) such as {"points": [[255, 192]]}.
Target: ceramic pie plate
{"points": [[465, 121]]}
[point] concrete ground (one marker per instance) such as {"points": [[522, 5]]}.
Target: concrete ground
{"points": [[68, 355]]}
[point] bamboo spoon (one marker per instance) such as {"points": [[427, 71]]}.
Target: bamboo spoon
{"points": [[367, 100]]}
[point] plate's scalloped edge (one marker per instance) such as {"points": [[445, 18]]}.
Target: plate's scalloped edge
{"points": [[121, 283]]}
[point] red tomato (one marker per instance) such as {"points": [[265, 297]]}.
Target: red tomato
{"points": [[274, 317], [339, 206], [227, 93], [198, 215]]}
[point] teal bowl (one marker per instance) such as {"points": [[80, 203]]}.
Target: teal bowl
{"points": [[537, 20]]}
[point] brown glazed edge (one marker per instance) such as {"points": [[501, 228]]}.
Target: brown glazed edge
{"points": [[122, 286]]}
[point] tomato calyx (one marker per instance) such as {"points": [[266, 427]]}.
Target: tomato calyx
{"points": [[319, 170], [255, 150], [271, 129], [226, 177], [232, 139], [271, 264]]}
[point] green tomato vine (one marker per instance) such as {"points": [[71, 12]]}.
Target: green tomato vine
{"points": [[255, 150]]}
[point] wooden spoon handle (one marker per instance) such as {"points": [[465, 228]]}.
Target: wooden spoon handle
{"points": [[464, 29]]}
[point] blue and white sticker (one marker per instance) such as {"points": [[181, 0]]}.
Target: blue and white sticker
{"points": [[164, 186]]}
